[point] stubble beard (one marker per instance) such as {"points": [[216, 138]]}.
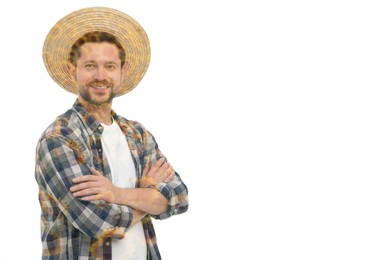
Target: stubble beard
{"points": [[89, 98]]}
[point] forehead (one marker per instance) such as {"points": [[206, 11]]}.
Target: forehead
{"points": [[96, 50]]}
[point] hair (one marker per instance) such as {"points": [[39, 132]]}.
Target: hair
{"points": [[75, 54]]}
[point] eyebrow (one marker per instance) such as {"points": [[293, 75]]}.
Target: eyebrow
{"points": [[108, 62]]}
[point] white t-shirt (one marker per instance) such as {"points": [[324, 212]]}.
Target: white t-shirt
{"points": [[133, 245]]}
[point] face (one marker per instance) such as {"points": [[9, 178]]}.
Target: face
{"points": [[98, 72]]}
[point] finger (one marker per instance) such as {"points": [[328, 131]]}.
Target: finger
{"points": [[169, 175], [75, 188], [156, 166], [145, 171], [87, 192], [85, 178], [96, 172], [85, 185], [91, 198], [165, 170], [165, 167]]}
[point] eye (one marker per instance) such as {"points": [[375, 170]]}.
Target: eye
{"points": [[111, 66], [89, 65]]}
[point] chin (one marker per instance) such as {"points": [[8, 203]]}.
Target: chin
{"points": [[99, 102]]}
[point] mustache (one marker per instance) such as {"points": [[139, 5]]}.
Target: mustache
{"points": [[100, 83]]}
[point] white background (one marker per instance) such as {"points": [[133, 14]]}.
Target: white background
{"points": [[275, 113]]}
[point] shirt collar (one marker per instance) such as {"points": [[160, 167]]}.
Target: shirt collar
{"points": [[90, 121]]}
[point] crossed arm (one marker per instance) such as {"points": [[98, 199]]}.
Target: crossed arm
{"points": [[142, 200]]}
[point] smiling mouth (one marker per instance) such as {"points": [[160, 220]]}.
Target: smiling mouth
{"points": [[100, 90], [100, 84], [100, 87]]}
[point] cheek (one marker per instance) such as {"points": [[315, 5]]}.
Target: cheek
{"points": [[116, 78], [82, 77]]}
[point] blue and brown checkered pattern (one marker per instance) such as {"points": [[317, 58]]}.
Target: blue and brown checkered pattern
{"points": [[75, 229]]}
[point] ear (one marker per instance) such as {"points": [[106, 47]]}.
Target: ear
{"points": [[124, 71], [71, 70]]}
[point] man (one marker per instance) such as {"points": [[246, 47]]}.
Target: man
{"points": [[101, 177]]}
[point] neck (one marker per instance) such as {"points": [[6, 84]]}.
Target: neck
{"points": [[101, 112]]}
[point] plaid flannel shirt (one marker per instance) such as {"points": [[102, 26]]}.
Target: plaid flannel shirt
{"points": [[75, 229]]}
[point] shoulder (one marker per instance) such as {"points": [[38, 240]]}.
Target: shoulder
{"points": [[64, 125], [131, 125]]}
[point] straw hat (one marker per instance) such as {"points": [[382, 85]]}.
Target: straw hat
{"points": [[69, 29]]}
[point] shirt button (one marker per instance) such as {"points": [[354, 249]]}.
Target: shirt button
{"points": [[99, 150], [100, 127], [107, 243]]}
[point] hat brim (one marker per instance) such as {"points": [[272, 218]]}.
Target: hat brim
{"points": [[69, 29]]}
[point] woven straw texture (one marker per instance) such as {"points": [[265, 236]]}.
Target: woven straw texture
{"points": [[69, 29]]}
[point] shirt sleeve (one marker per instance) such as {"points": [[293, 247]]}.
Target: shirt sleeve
{"points": [[175, 191], [58, 162]]}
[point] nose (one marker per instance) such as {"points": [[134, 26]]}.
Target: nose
{"points": [[100, 74]]}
